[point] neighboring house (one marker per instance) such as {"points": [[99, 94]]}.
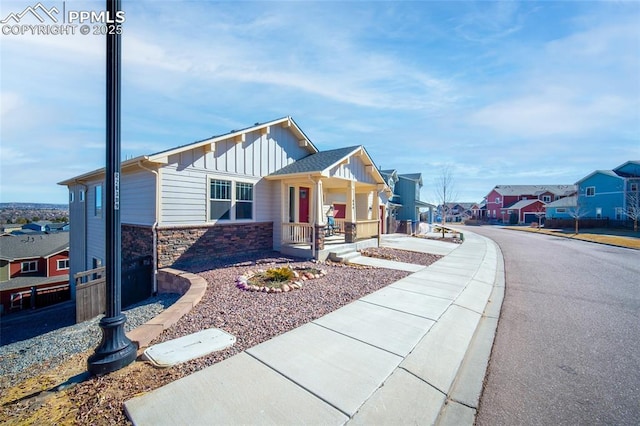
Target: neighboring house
{"points": [[263, 187], [562, 208], [392, 204], [39, 226], [607, 194], [29, 263], [503, 197], [408, 189], [459, 212], [405, 204], [56, 227], [524, 211]]}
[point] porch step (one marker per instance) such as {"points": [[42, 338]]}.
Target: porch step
{"points": [[343, 255]]}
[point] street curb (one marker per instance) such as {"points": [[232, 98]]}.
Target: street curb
{"points": [[462, 401]]}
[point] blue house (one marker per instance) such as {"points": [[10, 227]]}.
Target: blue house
{"points": [[562, 208], [609, 193], [408, 191], [405, 204]]}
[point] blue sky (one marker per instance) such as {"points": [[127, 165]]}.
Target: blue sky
{"points": [[503, 92]]}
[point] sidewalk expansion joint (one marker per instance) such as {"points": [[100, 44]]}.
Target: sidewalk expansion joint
{"points": [[362, 341], [417, 292], [422, 380], [469, 309], [299, 385], [404, 312]]}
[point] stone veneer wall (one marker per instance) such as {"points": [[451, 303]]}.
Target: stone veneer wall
{"points": [[137, 241], [192, 244]]}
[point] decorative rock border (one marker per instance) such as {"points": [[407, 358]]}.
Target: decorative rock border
{"points": [[242, 282]]}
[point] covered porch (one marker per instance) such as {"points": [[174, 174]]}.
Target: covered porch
{"points": [[340, 184]]}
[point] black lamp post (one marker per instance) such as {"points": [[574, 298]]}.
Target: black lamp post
{"points": [[115, 350]]}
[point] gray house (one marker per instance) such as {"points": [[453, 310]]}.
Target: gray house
{"points": [[263, 187]]}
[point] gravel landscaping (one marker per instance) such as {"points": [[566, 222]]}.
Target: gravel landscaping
{"points": [[253, 317]]}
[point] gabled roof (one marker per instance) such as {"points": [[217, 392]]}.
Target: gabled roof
{"points": [[417, 177], [632, 169], [564, 202], [522, 204], [318, 162], [610, 173], [534, 189], [33, 246], [391, 173], [161, 157]]}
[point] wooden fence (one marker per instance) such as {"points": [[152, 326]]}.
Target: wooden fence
{"points": [[91, 294]]}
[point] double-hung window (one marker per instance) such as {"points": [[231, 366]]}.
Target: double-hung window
{"points": [[244, 200], [220, 202], [590, 191], [230, 200]]}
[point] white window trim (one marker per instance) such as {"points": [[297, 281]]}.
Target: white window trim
{"points": [[586, 191], [58, 268], [99, 214], [29, 271], [232, 213]]}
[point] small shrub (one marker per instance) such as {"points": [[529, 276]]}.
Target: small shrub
{"points": [[279, 274]]}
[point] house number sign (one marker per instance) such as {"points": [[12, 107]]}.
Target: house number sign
{"points": [[116, 195]]}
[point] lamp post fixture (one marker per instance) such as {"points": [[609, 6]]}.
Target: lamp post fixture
{"points": [[115, 350]]}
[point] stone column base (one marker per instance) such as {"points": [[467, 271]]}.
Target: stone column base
{"points": [[319, 237], [349, 232]]}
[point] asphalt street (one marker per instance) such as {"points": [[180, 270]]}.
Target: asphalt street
{"points": [[567, 349]]}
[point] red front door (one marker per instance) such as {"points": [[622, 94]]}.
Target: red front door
{"points": [[303, 214]]}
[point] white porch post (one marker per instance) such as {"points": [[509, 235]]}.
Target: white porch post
{"points": [[319, 213], [318, 217]]}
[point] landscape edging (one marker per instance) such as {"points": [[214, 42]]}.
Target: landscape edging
{"points": [[192, 288]]}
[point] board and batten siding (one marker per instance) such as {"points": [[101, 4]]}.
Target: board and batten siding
{"points": [[185, 179], [356, 170]]}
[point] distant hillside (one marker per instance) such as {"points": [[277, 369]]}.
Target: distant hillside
{"points": [[33, 206]]}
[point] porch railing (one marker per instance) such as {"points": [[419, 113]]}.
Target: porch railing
{"points": [[295, 233], [339, 229], [367, 228]]}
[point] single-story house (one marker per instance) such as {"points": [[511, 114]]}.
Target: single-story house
{"points": [[264, 187]]}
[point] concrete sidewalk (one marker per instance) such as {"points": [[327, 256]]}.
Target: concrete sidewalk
{"points": [[415, 351]]}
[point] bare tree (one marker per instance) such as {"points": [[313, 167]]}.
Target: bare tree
{"points": [[445, 191], [540, 213], [577, 213], [632, 211]]}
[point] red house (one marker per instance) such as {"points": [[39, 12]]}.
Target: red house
{"points": [[34, 270], [502, 198]]}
